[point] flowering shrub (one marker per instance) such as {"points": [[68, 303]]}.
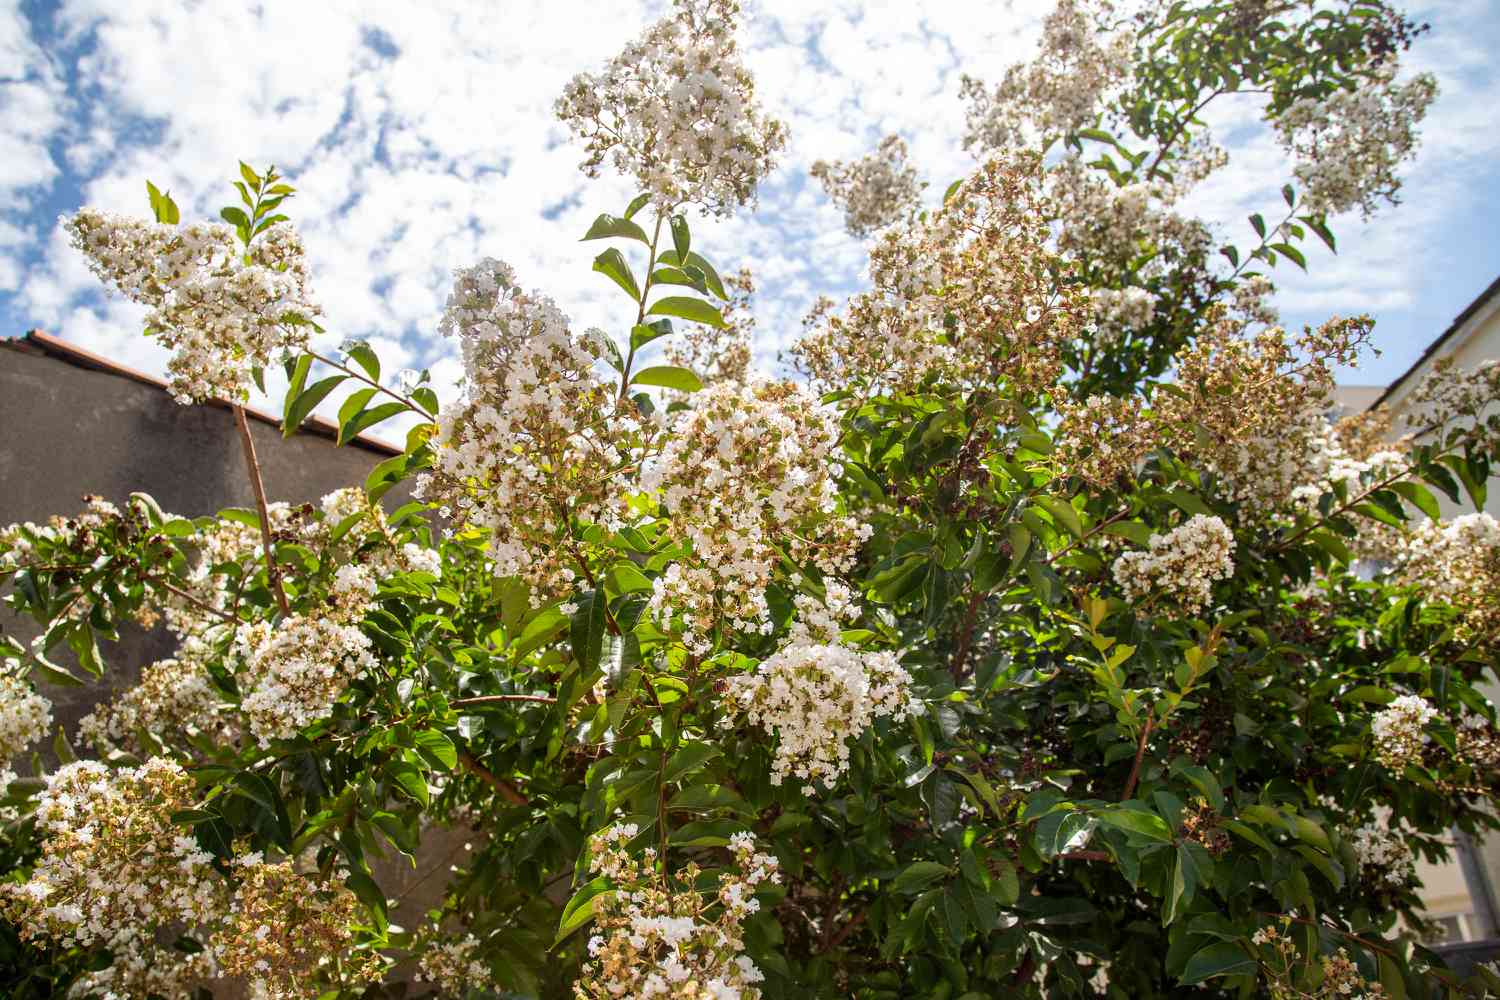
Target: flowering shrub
{"points": [[1047, 640]]}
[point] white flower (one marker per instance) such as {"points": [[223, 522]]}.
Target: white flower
{"points": [[25, 717], [816, 699], [677, 111], [1183, 563], [1398, 731]]}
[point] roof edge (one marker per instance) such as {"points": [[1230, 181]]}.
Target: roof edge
{"points": [[61, 349], [1432, 348]]}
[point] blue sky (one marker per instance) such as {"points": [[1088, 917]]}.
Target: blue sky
{"points": [[422, 142]]}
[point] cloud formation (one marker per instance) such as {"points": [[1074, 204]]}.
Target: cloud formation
{"points": [[420, 142]]}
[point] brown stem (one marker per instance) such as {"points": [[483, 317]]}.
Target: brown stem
{"points": [[273, 572], [491, 699], [507, 791], [844, 931], [195, 602], [1177, 132], [966, 634], [1087, 535], [1140, 751], [405, 401], [1347, 506], [1085, 856]]}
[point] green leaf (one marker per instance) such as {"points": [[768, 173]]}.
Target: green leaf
{"points": [[1259, 224], [1063, 513], [364, 887], [296, 379], [410, 780], [1290, 194], [1222, 958], [351, 429], [301, 407], [1140, 821], [437, 748], [163, 208], [541, 630], [364, 356], [689, 759], [251, 177], [612, 264], [1420, 497], [580, 909], [918, 876], [624, 578], [237, 218], [715, 283], [587, 629], [682, 241], [1291, 253], [608, 226], [668, 376], [638, 204], [642, 335], [353, 404], [1135, 531], [687, 308]]}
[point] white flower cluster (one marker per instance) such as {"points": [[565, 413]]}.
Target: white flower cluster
{"points": [[1060, 91], [25, 717], [1183, 563], [1384, 857], [532, 445], [174, 695], [113, 866], [875, 190], [1349, 143], [1119, 311], [654, 940], [748, 470], [1398, 731], [453, 966], [815, 698], [298, 671], [1340, 471], [677, 111], [221, 311], [1457, 562]]}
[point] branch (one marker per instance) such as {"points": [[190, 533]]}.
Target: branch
{"points": [[966, 634], [506, 789], [490, 699], [195, 602], [1087, 535], [273, 572], [1085, 856], [1177, 132], [1140, 751], [405, 401], [846, 930]]}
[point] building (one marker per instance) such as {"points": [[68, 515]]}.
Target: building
{"points": [[1460, 895]]}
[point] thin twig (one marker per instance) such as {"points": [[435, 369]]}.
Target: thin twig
{"points": [[273, 572], [846, 930], [490, 699], [404, 400], [507, 791], [966, 634], [1084, 856], [1140, 751], [195, 602]]}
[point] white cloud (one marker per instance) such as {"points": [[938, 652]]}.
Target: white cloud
{"points": [[421, 142]]}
